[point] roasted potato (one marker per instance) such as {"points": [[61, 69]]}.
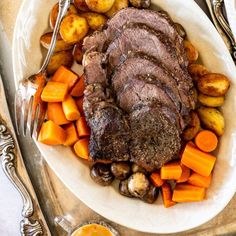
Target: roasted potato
{"points": [[191, 51], [197, 71], [118, 5], [180, 29], [77, 53], [54, 13], [61, 45], [212, 119], [60, 58], [211, 101], [73, 28], [215, 85], [141, 3], [100, 6], [193, 127], [95, 20], [81, 5]]}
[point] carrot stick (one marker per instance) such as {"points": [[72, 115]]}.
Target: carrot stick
{"points": [[70, 109], [198, 161], [171, 170], [166, 193], [185, 174], [79, 88], [81, 148], [56, 114], [65, 76], [156, 179], [82, 128], [51, 134], [79, 102], [188, 193], [206, 141], [54, 92], [200, 181], [71, 135]]}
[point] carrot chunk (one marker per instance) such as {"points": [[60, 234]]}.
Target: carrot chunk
{"points": [[156, 179], [188, 193], [82, 128], [199, 180], [198, 161], [171, 170], [81, 148], [56, 114], [54, 92], [79, 88], [206, 140], [71, 135], [51, 134], [66, 76], [185, 174], [79, 102], [166, 194], [70, 109]]}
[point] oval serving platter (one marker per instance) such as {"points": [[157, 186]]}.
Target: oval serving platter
{"points": [[32, 22]]}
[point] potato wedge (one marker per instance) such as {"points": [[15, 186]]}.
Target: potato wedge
{"points": [[54, 13], [193, 128], [95, 20], [61, 45], [197, 70], [77, 53], [100, 6], [191, 51], [212, 119], [73, 28], [141, 3], [60, 58], [215, 85], [81, 5], [118, 5], [211, 101]]}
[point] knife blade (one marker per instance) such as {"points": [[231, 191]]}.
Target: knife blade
{"points": [[33, 222]]}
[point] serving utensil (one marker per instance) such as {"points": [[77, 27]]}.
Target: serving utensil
{"points": [[29, 108]]}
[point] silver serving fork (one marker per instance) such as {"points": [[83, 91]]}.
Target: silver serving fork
{"points": [[29, 108]]}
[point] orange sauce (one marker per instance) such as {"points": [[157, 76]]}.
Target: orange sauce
{"points": [[92, 230]]}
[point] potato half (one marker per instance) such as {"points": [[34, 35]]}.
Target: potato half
{"points": [[95, 20], [197, 70], [191, 51], [81, 5], [211, 101], [117, 6], [100, 6]]}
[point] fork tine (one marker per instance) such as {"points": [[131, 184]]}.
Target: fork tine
{"points": [[31, 115], [40, 118], [26, 108], [18, 107]]}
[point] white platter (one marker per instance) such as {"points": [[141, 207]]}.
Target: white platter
{"points": [[32, 21]]}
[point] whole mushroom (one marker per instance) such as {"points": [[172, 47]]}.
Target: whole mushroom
{"points": [[151, 196], [181, 31], [141, 3], [135, 168], [123, 188], [121, 170]]}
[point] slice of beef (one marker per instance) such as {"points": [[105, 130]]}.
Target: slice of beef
{"points": [[154, 139]]}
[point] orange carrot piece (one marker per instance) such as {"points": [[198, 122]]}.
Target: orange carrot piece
{"points": [[82, 128], [198, 161], [199, 180], [71, 135], [51, 134], [55, 113], [79, 102], [206, 140], [171, 170], [81, 148], [188, 193], [79, 88], [70, 109], [185, 174], [54, 92], [156, 179], [166, 194]]}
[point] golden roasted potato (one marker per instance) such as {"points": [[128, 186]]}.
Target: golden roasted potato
{"points": [[100, 6], [95, 20], [61, 45], [215, 85], [212, 119], [197, 70], [60, 58], [81, 5], [77, 53], [191, 51], [141, 3], [73, 28], [54, 13], [193, 128], [211, 101], [118, 5]]}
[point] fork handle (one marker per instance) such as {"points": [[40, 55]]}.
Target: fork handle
{"points": [[63, 8]]}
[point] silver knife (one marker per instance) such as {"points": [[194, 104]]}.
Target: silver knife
{"points": [[33, 222]]}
